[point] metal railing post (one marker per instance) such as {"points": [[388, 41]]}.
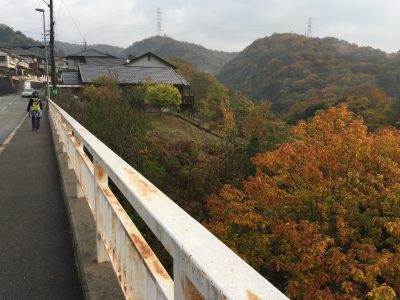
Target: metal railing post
{"points": [[183, 287], [78, 154], [101, 178]]}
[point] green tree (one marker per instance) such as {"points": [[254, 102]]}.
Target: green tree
{"points": [[163, 95]]}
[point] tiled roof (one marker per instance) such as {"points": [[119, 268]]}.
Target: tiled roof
{"points": [[9, 52], [132, 74], [23, 52], [70, 78], [90, 53], [104, 61]]}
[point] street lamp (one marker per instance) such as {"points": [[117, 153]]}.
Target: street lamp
{"points": [[45, 47]]}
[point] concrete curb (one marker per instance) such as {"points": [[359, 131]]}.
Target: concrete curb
{"points": [[98, 280]]}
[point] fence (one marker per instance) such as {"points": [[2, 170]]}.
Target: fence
{"points": [[203, 267]]}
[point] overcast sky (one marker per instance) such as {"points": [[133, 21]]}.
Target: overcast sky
{"points": [[229, 25]]}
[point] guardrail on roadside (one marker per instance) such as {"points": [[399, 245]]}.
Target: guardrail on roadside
{"points": [[204, 267]]}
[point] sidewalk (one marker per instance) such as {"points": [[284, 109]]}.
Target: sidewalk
{"points": [[36, 254]]}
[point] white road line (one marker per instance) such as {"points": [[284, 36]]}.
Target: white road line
{"points": [[11, 135], [3, 108]]}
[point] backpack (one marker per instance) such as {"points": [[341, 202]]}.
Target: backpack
{"points": [[35, 104]]}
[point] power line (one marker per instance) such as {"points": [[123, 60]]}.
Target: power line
{"points": [[58, 17], [73, 21], [31, 29], [59, 9]]}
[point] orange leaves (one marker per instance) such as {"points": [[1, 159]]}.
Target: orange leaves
{"points": [[344, 233], [229, 193], [393, 228], [382, 292], [327, 205], [255, 188], [304, 250], [236, 209], [227, 123]]}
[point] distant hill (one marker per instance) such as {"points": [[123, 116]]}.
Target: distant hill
{"points": [[209, 61], [11, 38], [69, 48], [290, 68]]}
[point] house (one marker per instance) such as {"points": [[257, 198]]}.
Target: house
{"points": [[92, 57], [22, 64], [17, 67], [12, 64], [147, 67], [61, 63], [149, 59], [36, 63]]}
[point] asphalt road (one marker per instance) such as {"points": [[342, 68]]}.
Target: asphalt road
{"points": [[36, 252], [12, 110]]}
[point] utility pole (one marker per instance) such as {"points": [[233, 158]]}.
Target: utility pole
{"points": [[53, 62], [45, 48]]}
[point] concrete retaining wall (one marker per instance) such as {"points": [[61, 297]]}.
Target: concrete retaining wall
{"points": [[6, 86]]}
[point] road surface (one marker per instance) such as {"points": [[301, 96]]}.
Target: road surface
{"points": [[12, 110]]}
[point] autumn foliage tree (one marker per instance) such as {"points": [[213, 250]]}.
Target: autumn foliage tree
{"points": [[321, 216]]}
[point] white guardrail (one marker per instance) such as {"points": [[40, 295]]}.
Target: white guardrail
{"points": [[204, 267]]}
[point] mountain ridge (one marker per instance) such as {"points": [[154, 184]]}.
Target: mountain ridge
{"points": [[210, 61], [288, 68], [70, 48]]}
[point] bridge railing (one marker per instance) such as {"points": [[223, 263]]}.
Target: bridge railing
{"points": [[203, 267]]}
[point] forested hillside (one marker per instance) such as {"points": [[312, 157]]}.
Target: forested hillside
{"points": [[210, 61], [313, 207], [11, 38], [69, 48], [288, 69]]}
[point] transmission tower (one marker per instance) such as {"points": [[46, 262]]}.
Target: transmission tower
{"points": [[159, 21], [309, 26]]}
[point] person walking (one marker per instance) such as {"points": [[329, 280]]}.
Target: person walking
{"points": [[34, 109]]}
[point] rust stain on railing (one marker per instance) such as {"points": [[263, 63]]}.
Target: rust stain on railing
{"points": [[148, 255], [140, 184], [189, 290], [252, 296]]}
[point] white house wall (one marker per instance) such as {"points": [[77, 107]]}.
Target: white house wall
{"points": [[145, 62], [72, 63], [7, 61]]}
